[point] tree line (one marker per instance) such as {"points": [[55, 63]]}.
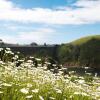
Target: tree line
{"points": [[86, 54]]}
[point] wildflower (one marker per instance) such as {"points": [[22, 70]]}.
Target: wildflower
{"points": [[96, 74], [47, 63], [52, 98], [41, 98], [29, 85], [81, 81], [64, 68], [81, 93], [98, 89], [35, 90], [58, 91], [29, 61], [54, 65], [39, 65], [29, 96], [1, 92], [8, 49], [71, 72], [24, 90], [18, 52], [71, 96], [88, 73], [84, 94], [16, 56], [1, 49], [1, 62], [6, 84], [86, 67], [76, 93], [38, 59]]}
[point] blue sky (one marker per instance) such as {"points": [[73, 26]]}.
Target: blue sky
{"points": [[43, 3], [51, 22]]}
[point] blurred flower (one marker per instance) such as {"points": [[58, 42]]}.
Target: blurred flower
{"points": [[98, 89], [96, 74], [58, 91], [1, 92], [25, 90], [41, 98], [29, 96], [6, 84], [8, 49], [51, 98], [86, 67], [35, 90], [38, 59], [29, 85], [81, 93], [81, 81]]}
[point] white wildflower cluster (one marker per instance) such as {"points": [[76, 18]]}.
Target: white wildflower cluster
{"points": [[37, 83]]}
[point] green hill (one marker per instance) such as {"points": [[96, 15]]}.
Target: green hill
{"points": [[82, 52], [85, 39]]}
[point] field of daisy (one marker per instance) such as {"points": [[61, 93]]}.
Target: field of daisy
{"points": [[27, 82]]}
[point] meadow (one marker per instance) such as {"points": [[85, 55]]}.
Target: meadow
{"points": [[28, 82]]}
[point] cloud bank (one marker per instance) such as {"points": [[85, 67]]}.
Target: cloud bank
{"points": [[85, 12], [79, 13], [40, 35]]}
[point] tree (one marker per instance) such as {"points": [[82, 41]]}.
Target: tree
{"points": [[90, 53], [33, 44], [65, 53]]}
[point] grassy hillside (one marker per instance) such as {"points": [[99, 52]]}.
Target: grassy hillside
{"points": [[82, 52], [85, 39]]}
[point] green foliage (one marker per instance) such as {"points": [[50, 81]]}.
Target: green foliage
{"points": [[83, 52], [65, 53], [42, 53], [90, 53], [88, 78]]}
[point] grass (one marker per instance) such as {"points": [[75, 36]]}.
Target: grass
{"points": [[23, 83], [85, 39], [26, 82]]}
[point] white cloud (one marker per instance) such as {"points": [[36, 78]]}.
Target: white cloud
{"points": [[40, 35], [4, 4], [87, 3], [8, 38], [89, 13]]}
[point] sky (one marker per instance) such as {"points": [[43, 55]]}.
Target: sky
{"points": [[48, 21]]}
